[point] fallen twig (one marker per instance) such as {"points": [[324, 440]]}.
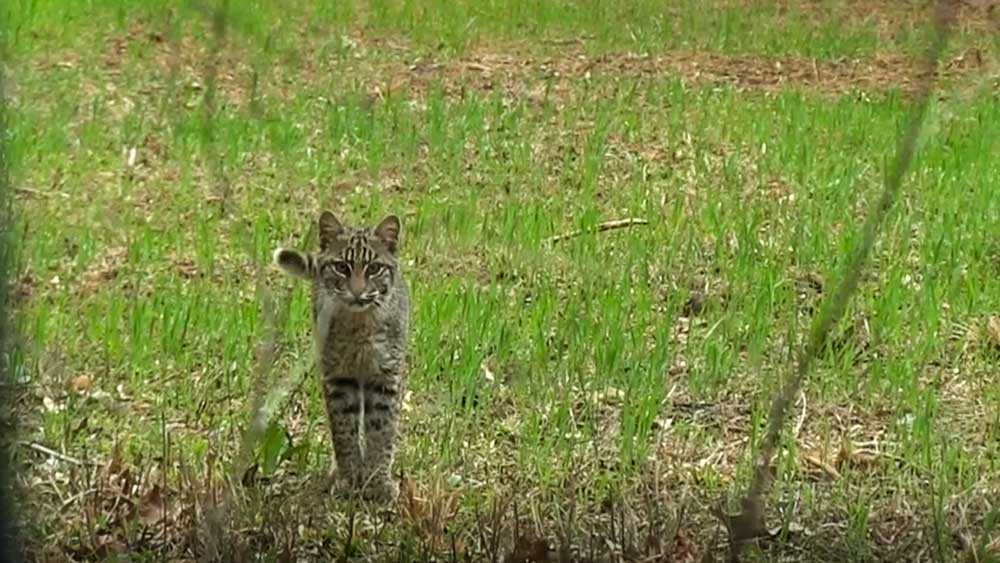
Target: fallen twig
{"points": [[605, 226], [478, 67], [38, 193], [569, 41], [802, 415], [830, 470], [52, 453]]}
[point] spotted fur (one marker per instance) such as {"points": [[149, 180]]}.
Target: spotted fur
{"points": [[360, 324]]}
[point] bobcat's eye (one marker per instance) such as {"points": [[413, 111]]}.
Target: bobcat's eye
{"points": [[374, 269], [342, 268]]}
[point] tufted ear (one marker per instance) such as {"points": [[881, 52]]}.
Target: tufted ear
{"points": [[388, 232], [329, 229], [298, 264]]}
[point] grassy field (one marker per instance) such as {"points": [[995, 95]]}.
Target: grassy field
{"points": [[590, 399]]}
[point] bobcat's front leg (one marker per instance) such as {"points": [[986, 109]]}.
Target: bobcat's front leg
{"points": [[383, 402], [343, 407]]}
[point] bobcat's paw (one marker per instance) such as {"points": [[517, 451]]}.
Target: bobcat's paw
{"points": [[383, 490]]}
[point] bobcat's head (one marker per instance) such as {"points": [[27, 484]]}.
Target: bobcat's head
{"points": [[356, 268]]}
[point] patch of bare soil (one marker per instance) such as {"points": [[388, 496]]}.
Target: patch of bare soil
{"points": [[187, 69], [537, 76], [973, 16], [555, 68]]}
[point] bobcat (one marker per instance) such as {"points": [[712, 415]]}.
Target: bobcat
{"points": [[361, 310]]}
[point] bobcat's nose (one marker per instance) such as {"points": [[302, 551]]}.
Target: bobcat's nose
{"points": [[356, 287]]}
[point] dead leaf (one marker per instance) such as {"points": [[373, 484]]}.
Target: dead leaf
{"points": [[993, 331], [683, 550], [530, 550], [488, 373], [81, 383], [188, 269], [431, 512], [793, 528], [609, 396], [857, 457], [813, 280], [152, 509], [50, 405]]}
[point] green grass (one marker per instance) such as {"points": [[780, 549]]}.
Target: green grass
{"points": [[572, 378]]}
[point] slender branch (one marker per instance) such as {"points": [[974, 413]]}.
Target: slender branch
{"points": [[749, 523], [605, 226], [52, 453]]}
